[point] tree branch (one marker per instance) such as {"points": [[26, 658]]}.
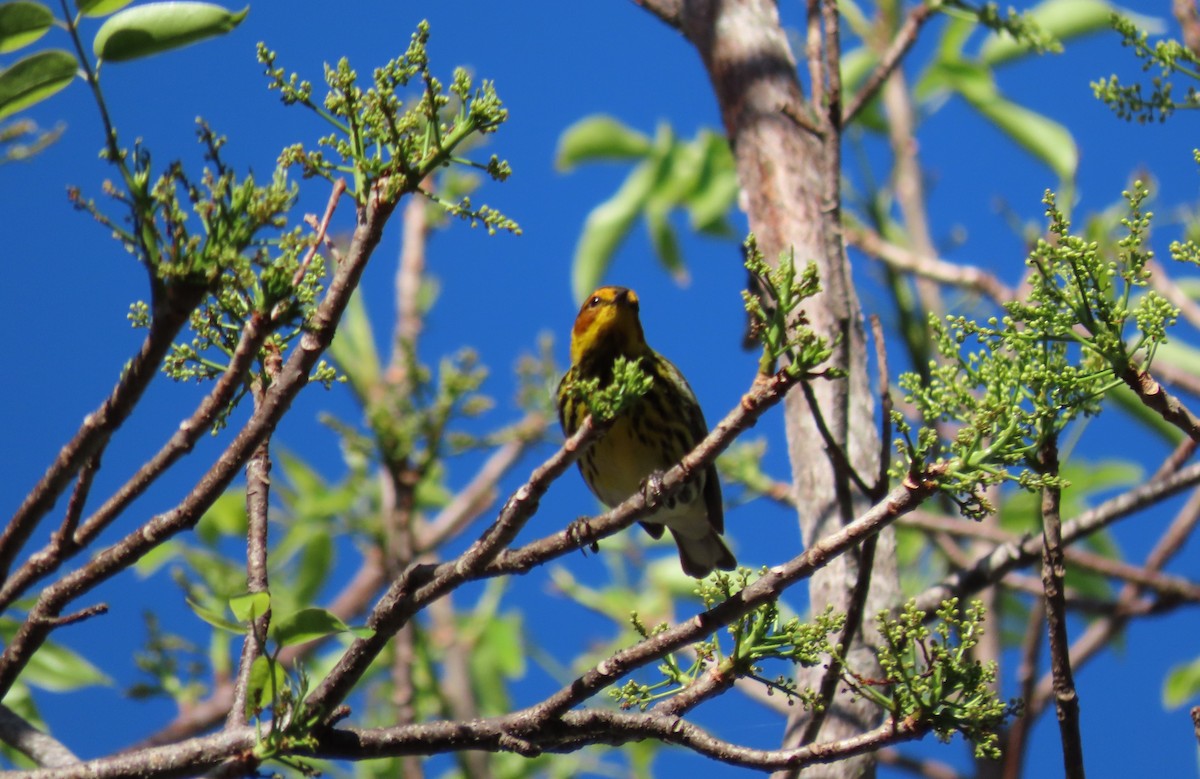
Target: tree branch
{"points": [[990, 568], [1053, 570], [293, 377]]}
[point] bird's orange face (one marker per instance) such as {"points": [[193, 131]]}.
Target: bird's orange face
{"points": [[608, 324]]}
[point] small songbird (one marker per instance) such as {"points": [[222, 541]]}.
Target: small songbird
{"points": [[648, 437]]}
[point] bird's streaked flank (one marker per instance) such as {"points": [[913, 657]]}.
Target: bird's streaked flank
{"points": [[648, 437]]}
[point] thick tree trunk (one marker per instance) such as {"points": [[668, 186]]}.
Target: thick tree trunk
{"points": [[785, 173]]}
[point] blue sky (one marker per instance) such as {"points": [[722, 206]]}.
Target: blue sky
{"points": [[553, 63]]}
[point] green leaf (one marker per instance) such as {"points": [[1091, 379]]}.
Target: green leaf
{"points": [[251, 606], [22, 23], [225, 517], [306, 625], [665, 243], [354, 348], [35, 78], [97, 8], [1182, 684], [599, 138], [316, 558], [54, 667], [1064, 19], [267, 678], [607, 226], [157, 27], [215, 618], [716, 189], [1043, 137], [150, 563]]}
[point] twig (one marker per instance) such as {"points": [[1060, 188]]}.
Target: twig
{"points": [[1066, 697], [480, 492], [293, 377], [1018, 734], [964, 276], [50, 558], [97, 428], [322, 229], [258, 492], [904, 40], [1156, 398], [1176, 587], [1101, 631], [992, 567], [885, 408], [923, 767]]}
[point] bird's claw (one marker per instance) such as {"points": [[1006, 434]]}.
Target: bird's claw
{"points": [[652, 487], [577, 533]]}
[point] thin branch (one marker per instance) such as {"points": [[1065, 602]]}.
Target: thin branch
{"points": [[885, 408], [592, 726], [98, 427], [293, 377], [258, 494], [1156, 398], [1167, 585], [1100, 632], [1017, 741], [990, 568], [764, 590], [575, 730], [924, 767], [965, 277], [900, 46], [480, 492], [322, 231], [48, 560], [1066, 697]]}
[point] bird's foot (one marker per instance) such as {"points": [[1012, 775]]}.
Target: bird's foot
{"points": [[577, 533], [652, 487]]}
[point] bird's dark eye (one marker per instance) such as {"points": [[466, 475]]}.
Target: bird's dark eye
{"points": [[595, 301]]}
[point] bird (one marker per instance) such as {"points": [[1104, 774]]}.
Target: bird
{"points": [[647, 437]]}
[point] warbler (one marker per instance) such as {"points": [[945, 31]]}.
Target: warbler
{"points": [[650, 436]]}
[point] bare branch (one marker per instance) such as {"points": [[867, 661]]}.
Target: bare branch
{"points": [[1156, 397], [963, 276], [39, 747], [170, 315], [61, 548], [258, 492], [293, 377], [1018, 736], [899, 46], [480, 492], [993, 566], [1066, 697]]}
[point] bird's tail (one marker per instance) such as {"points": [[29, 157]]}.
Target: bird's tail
{"points": [[699, 556]]}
